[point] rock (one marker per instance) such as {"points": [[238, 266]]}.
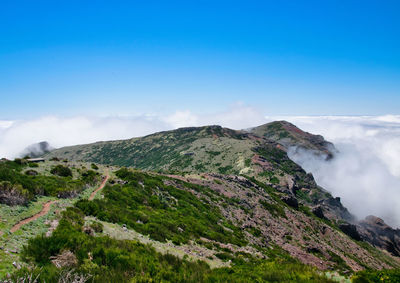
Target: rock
{"points": [[31, 172], [318, 212], [350, 230], [16, 265], [313, 250], [375, 231], [291, 201], [65, 259], [335, 210], [68, 194], [88, 230]]}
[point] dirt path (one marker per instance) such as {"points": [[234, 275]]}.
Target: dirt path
{"points": [[100, 187], [46, 208], [44, 211]]}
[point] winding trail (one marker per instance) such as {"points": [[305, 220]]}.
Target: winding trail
{"points": [[45, 209], [100, 187]]}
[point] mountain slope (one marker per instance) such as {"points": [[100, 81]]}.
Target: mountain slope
{"points": [[233, 223], [231, 199], [185, 150], [288, 135], [212, 149], [259, 153]]}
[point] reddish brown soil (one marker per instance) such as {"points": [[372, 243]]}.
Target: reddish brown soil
{"points": [[99, 188], [44, 211]]}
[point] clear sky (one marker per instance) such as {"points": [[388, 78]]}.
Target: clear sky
{"points": [[134, 57]]}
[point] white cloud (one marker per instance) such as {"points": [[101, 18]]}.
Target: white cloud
{"points": [[182, 119], [237, 116], [64, 131], [366, 171], [74, 130]]}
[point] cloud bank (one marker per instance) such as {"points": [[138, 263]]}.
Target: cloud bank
{"points": [[365, 173], [15, 136]]}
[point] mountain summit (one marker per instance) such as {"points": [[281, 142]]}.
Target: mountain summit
{"points": [[290, 136]]}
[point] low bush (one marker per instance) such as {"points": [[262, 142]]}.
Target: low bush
{"points": [[102, 259], [62, 171], [164, 212]]}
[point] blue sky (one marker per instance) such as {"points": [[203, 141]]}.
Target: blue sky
{"points": [[136, 57]]}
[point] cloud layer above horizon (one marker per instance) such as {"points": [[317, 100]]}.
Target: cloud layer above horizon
{"points": [[365, 172]]}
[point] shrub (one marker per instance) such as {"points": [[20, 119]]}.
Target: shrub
{"points": [[13, 194], [97, 227], [62, 171], [164, 212]]}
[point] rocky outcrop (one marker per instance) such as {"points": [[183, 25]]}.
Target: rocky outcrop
{"points": [[291, 201], [375, 231], [350, 230], [318, 212], [335, 210]]}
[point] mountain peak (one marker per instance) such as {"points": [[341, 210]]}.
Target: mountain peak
{"points": [[288, 136]]}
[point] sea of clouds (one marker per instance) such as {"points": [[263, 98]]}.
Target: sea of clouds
{"points": [[365, 172]]}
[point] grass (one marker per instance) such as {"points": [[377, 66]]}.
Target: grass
{"points": [[15, 241], [164, 212], [197, 252], [131, 261], [10, 215]]}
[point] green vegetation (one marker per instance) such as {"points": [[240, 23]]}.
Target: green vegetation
{"points": [[27, 186], [97, 227], [225, 170], [370, 276], [97, 258], [274, 209], [62, 171], [278, 158], [149, 206]]}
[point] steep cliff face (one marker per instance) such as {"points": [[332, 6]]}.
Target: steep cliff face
{"points": [[375, 231]]}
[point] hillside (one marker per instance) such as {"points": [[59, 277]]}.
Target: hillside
{"points": [[199, 149], [147, 225], [200, 204], [212, 149], [260, 152]]}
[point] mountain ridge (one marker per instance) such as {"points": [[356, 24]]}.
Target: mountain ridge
{"points": [[259, 152]]}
